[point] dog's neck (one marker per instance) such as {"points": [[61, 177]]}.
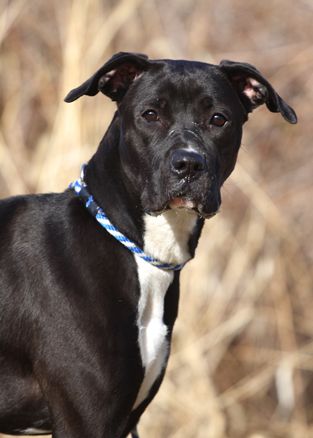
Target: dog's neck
{"points": [[170, 237], [167, 235], [109, 186]]}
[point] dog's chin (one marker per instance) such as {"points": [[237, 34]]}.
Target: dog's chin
{"points": [[186, 204]]}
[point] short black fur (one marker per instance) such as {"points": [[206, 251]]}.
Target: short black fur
{"points": [[69, 355]]}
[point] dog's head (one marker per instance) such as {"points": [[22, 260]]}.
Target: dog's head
{"points": [[181, 124]]}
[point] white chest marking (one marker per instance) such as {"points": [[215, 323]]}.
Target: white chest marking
{"points": [[154, 283], [34, 431], [166, 238]]}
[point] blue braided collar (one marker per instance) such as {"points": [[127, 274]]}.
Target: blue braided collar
{"points": [[81, 190]]}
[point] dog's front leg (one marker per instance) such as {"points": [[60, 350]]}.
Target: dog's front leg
{"points": [[90, 396], [87, 412]]}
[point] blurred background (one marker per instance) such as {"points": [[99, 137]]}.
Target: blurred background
{"points": [[242, 357]]}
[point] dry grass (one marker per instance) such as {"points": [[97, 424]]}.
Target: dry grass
{"points": [[242, 357]]}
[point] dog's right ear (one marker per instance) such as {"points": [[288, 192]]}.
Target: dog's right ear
{"points": [[113, 78]]}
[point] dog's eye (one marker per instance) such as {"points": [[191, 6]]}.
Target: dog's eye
{"points": [[150, 115], [218, 120]]}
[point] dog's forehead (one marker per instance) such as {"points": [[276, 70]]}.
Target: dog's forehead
{"points": [[184, 79], [185, 67]]}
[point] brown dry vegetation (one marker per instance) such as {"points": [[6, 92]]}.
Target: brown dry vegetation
{"points": [[242, 356]]}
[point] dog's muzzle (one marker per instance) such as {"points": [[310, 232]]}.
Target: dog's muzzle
{"points": [[196, 188]]}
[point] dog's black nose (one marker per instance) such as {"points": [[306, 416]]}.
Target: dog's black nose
{"points": [[187, 163]]}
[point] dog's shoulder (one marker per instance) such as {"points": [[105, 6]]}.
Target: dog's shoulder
{"points": [[18, 208], [25, 218]]}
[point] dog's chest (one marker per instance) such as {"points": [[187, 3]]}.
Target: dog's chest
{"points": [[152, 332], [166, 238]]}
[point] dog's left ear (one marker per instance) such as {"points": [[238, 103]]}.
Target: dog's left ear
{"points": [[113, 78], [254, 90]]}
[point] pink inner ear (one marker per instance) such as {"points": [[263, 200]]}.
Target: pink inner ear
{"points": [[106, 78], [122, 76], [253, 89]]}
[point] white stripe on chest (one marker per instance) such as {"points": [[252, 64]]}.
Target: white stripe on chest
{"points": [[33, 431], [166, 238]]}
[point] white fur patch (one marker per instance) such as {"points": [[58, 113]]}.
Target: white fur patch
{"points": [[166, 238], [34, 431], [153, 345], [167, 235]]}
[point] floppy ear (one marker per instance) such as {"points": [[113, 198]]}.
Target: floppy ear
{"points": [[254, 90], [113, 78]]}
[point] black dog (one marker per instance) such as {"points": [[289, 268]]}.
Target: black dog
{"points": [[85, 323]]}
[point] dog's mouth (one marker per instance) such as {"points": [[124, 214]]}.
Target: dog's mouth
{"points": [[200, 196], [188, 204], [181, 202], [185, 203]]}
